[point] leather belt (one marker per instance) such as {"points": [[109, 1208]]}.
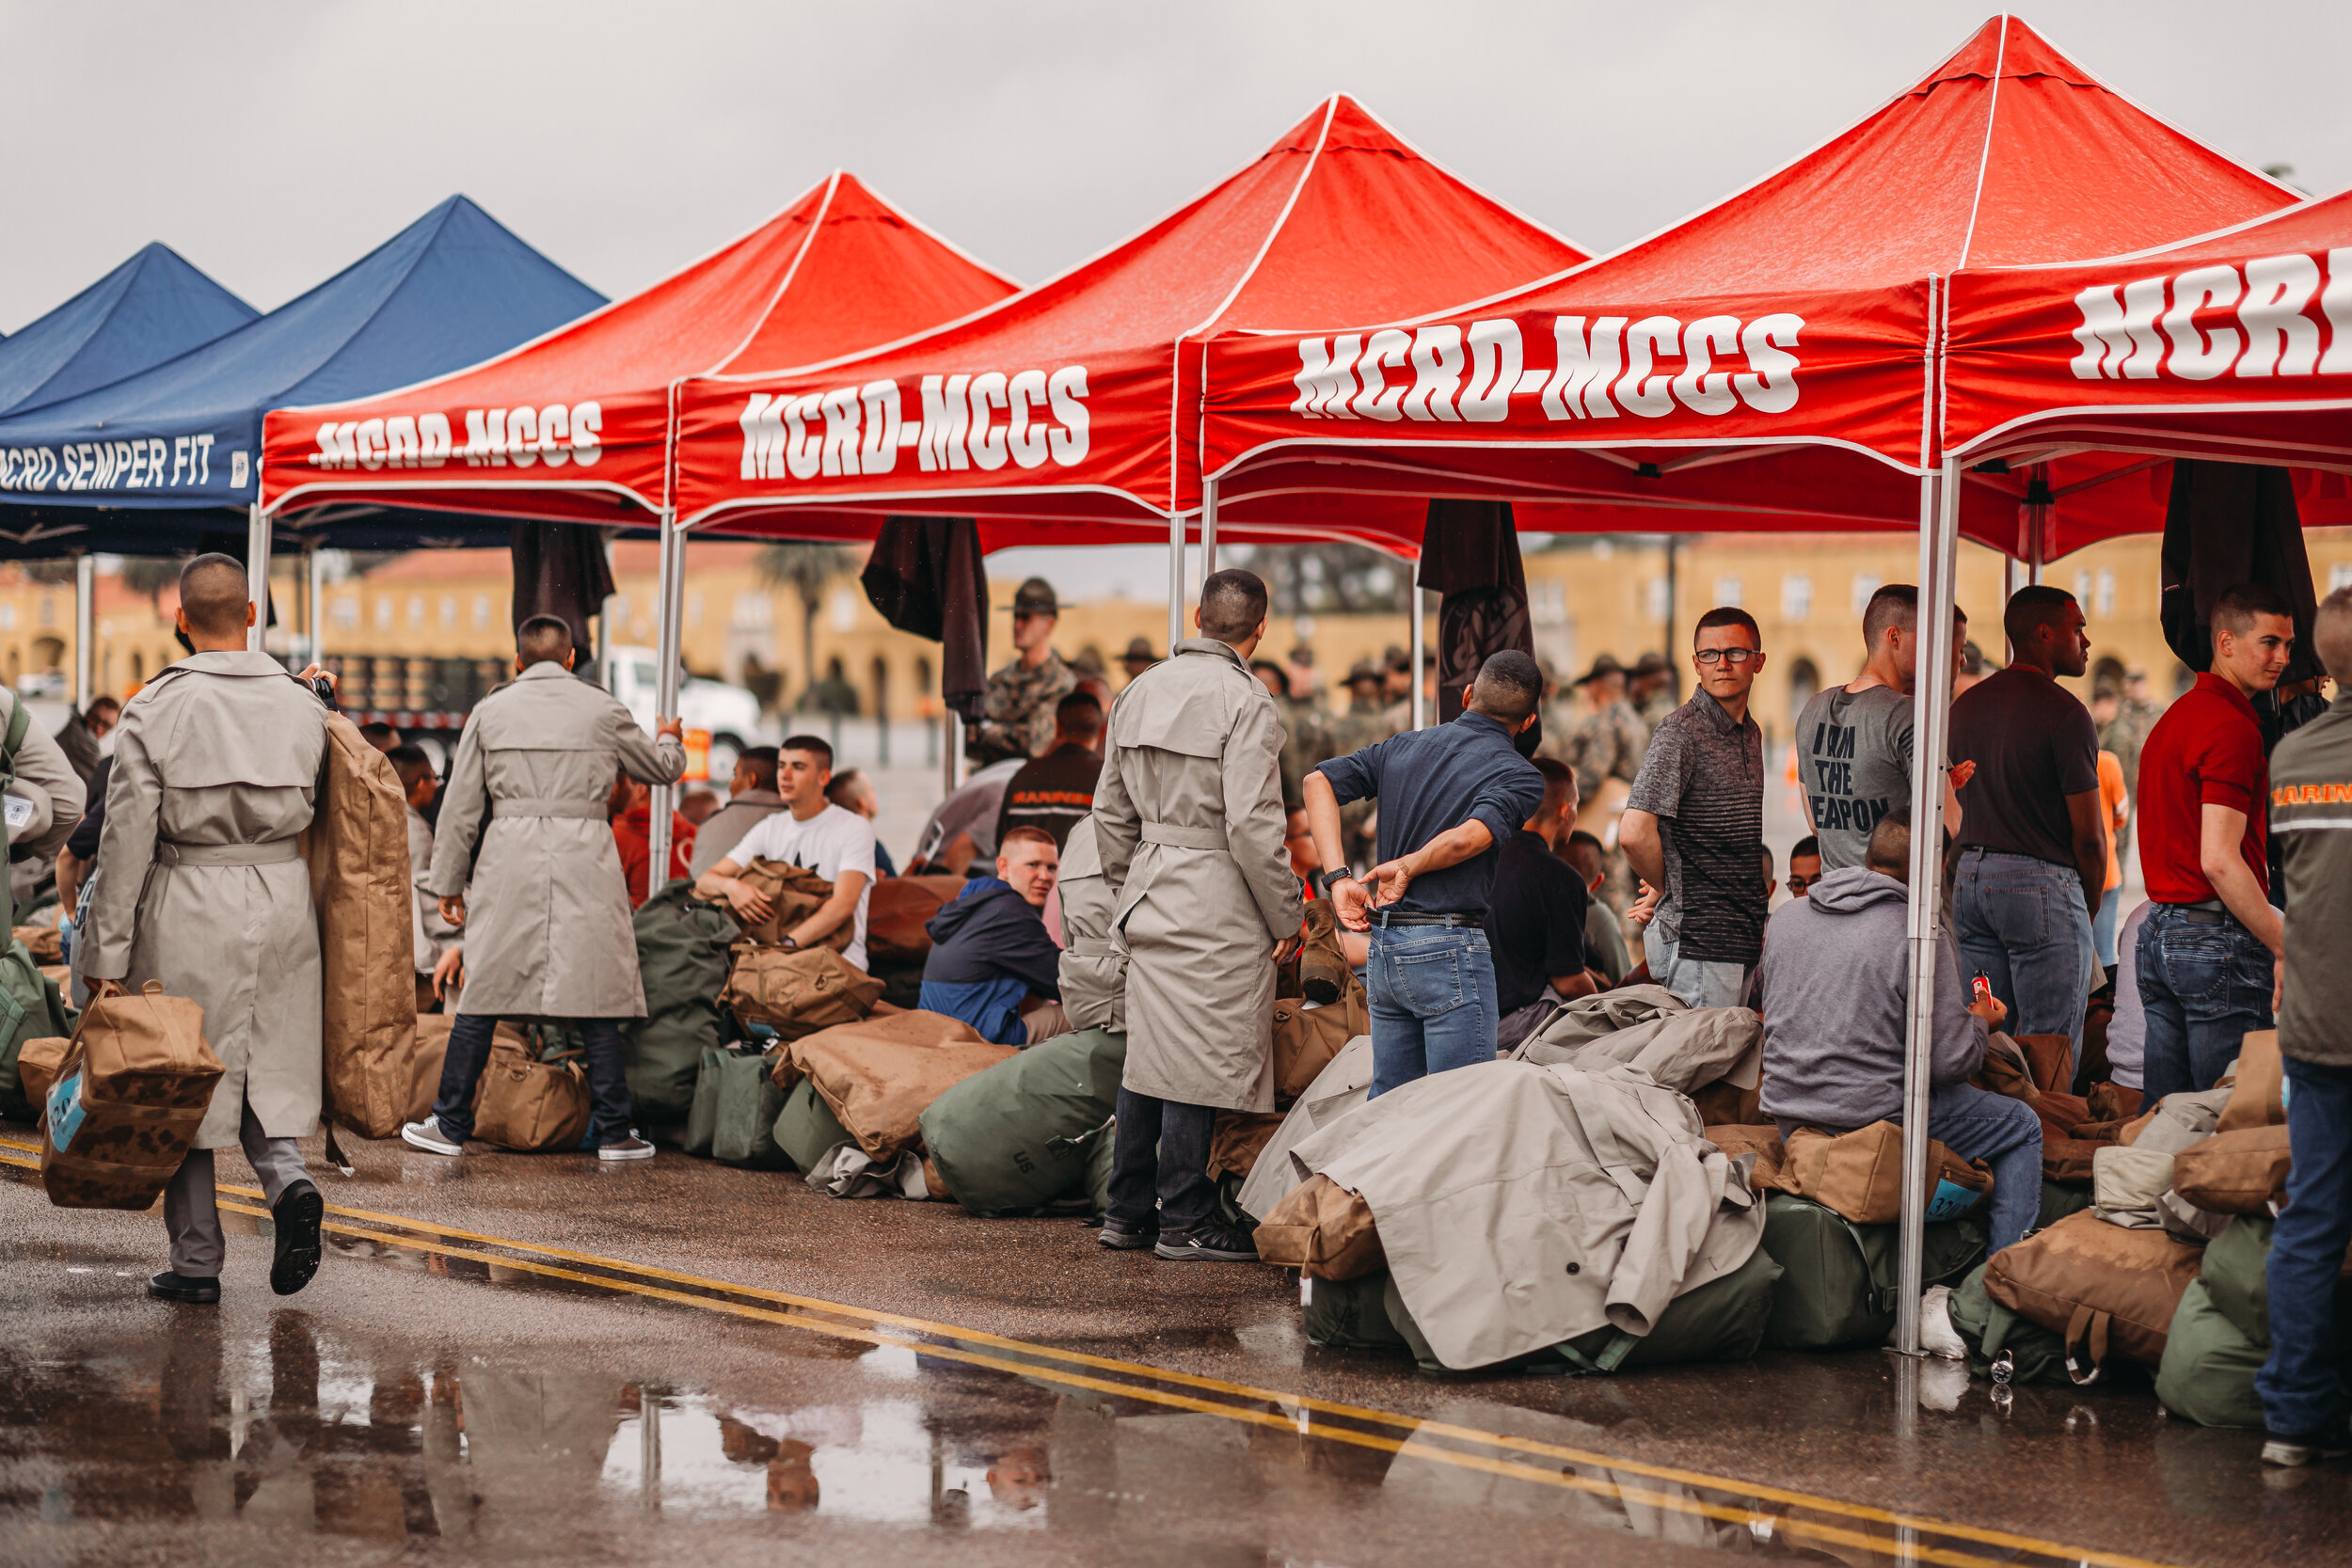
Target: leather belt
{"points": [[2211, 911], [276, 853], [1393, 917], [1185, 838], [525, 806]]}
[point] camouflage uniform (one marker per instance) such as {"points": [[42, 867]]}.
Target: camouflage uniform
{"points": [[1360, 726], [1604, 743], [1306, 742], [1018, 713]]}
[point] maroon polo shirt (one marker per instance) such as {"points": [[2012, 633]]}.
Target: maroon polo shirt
{"points": [[2207, 749]]}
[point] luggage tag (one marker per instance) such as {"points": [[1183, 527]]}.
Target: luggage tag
{"points": [[18, 810], [66, 1111], [1951, 1201]]}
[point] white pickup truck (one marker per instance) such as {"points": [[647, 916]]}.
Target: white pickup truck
{"points": [[730, 714]]}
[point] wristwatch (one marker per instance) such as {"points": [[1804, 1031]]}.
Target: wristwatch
{"points": [[1327, 881]]}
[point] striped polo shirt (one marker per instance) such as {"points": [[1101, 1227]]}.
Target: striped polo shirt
{"points": [[1704, 780]]}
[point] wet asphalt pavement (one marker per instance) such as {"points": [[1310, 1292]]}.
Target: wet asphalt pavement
{"points": [[534, 1358]]}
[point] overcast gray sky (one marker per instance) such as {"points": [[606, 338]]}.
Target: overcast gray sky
{"points": [[272, 144]]}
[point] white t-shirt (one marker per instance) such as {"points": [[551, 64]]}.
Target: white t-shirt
{"points": [[828, 842]]}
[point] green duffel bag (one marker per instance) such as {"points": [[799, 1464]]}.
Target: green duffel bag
{"points": [[806, 1129], [1722, 1319], [2236, 1277], [1005, 1139], [702, 1114], [682, 957], [1841, 1282], [742, 1125], [31, 1008], [2036, 1354], [2060, 1199], [2208, 1369], [1100, 1148], [1351, 1314]]}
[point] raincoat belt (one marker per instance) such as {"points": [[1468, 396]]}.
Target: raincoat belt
{"points": [[1184, 838], [525, 807], [274, 853]]}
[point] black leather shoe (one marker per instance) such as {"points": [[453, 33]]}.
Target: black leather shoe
{"points": [[167, 1286], [296, 1216], [1120, 1237]]}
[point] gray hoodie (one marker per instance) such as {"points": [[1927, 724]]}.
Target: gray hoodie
{"points": [[1836, 981]]}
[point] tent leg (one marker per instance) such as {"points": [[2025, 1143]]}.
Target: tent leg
{"points": [[1208, 528], [314, 560], [1175, 580], [85, 590], [1939, 535], [1419, 718], [257, 574], [669, 593]]}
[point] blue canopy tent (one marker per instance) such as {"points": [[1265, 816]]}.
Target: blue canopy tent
{"points": [[152, 462], [152, 308]]}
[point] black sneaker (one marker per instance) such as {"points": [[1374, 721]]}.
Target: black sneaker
{"points": [[1122, 1237], [1212, 1243], [296, 1216], [167, 1286]]}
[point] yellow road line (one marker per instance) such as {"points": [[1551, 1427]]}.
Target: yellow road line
{"points": [[1864, 1512]]}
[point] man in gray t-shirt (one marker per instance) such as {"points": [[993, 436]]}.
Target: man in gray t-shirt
{"points": [[1854, 741]]}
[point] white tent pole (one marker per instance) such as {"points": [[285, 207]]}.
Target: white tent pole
{"points": [[84, 591], [1419, 718], [1939, 537], [1208, 527], [257, 573], [315, 559], [670, 590], [1175, 580]]}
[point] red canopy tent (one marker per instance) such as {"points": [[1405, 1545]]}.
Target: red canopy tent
{"points": [[575, 426], [1076, 404], [1764, 363], [2087, 378]]}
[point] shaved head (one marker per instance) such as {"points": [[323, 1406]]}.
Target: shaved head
{"points": [[2333, 635], [542, 639], [213, 595]]}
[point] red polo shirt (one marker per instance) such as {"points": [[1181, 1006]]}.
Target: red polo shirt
{"points": [[2207, 749]]}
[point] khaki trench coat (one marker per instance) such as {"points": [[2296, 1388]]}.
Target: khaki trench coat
{"points": [[45, 782], [200, 882], [1188, 821], [1521, 1205], [1094, 957], [546, 930]]}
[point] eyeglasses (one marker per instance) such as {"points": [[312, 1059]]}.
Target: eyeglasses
{"points": [[1726, 655], [1798, 884]]}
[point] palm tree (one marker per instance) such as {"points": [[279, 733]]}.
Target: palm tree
{"points": [[806, 569]]}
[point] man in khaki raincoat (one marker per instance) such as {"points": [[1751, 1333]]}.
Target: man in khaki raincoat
{"points": [[1188, 821], [544, 908], [201, 887]]}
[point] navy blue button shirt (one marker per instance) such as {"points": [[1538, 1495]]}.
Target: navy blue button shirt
{"points": [[1429, 781]]}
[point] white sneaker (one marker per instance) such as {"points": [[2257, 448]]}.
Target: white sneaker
{"points": [[427, 1136], [1937, 1336], [630, 1147]]}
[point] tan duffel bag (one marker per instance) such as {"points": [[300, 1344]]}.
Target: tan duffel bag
{"points": [[1738, 1138], [36, 1066], [2109, 1290], [1860, 1175], [2258, 1098], [527, 1104], [1307, 1037], [880, 1075], [43, 943], [356, 849], [795, 892], [797, 991], [1323, 1231], [2242, 1171], [1237, 1140], [127, 1100], [897, 911]]}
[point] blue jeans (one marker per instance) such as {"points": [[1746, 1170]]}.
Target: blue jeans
{"points": [[2020, 922], [2102, 928], [1700, 982], [1433, 1001], [2205, 981], [1977, 1124], [2299, 1384]]}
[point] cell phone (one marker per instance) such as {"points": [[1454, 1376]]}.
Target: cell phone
{"points": [[1984, 990], [324, 689]]}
